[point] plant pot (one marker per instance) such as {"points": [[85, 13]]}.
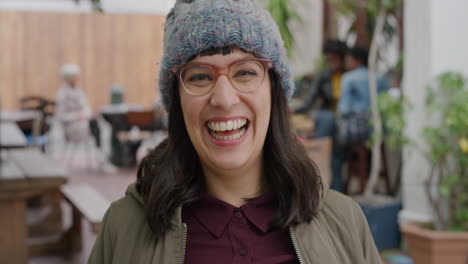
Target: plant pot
{"points": [[383, 221], [435, 247]]}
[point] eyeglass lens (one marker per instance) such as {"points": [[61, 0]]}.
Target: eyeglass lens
{"points": [[244, 76]]}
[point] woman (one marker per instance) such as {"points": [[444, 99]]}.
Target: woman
{"points": [[73, 109], [230, 184]]}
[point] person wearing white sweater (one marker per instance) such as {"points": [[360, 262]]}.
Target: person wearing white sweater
{"points": [[72, 107]]}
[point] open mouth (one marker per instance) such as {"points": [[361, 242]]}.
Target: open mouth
{"points": [[228, 130]]}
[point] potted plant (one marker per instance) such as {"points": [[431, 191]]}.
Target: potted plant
{"points": [[381, 210], [445, 240]]}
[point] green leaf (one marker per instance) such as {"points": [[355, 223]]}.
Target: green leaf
{"points": [[444, 191], [392, 5], [346, 7], [97, 5], [283, 15]]}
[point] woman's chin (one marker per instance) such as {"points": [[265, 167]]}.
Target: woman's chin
{"points": [[228, 162]]}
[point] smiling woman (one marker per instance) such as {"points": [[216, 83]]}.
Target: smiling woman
{"points": [[231, 184], [240, 92]]}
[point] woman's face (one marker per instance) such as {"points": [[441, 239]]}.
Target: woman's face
{"points": [[335, 62], [72, 80], [227, 127], [352, 63]]}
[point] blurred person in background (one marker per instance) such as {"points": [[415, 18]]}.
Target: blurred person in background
{"points": [[75, 115], [354, 107], [72, 107], [327, 89], [355, 95], [231, 183]]}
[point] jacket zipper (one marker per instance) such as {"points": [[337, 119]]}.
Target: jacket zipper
{"points": [[296, 248], [184, 244]]}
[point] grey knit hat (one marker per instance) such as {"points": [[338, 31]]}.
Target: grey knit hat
{"points": [[194, 26]]}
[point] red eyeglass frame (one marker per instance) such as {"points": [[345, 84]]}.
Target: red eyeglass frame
{"points": [[218, 71]]}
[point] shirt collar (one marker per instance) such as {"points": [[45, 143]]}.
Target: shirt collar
{"points": [[261, 211], [214, 214]]}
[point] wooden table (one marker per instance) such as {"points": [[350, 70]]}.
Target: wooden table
{"points": [[319, 151], [18, 115], [24, 173], [11, 136], [303, 125]]}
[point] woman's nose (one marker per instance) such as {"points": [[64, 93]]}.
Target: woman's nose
{"points": [[224, 95]]}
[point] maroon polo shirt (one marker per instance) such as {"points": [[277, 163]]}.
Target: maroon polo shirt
{"points": [[218, 232]]}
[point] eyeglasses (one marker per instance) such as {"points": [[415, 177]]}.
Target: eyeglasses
{"points": [[245, 75]]}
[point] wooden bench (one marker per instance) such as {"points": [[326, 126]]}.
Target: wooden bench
{"points": [[86, 203], [24, 174]]}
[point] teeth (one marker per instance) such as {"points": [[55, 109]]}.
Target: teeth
{"points": [[230, 137], [227, 126]]}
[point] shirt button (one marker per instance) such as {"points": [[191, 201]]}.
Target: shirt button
{"points": [[244, 252], [238, 214]]}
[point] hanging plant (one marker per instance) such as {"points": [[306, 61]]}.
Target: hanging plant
{"points": [[283, 15]]}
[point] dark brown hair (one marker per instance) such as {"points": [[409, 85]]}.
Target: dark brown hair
{"points": [[171, 175], [359, 53]]}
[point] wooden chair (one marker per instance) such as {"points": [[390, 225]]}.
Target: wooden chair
{"points": [[358, 158], [142, 125], [37, 130], [145, 120]]}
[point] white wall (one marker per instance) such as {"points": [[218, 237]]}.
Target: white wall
{"points": [[140, 6], [308, 36], [450, 35], [417, 72], [45, 5], [112, 6], [435, 41]]}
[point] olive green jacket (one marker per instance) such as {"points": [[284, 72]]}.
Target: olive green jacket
{"points": [[338, 235]]}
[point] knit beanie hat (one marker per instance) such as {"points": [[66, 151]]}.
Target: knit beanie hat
{"points": [[194, 26]]}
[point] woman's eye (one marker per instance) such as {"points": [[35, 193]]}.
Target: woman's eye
{"points": [[246, 73], [200, 77]]}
